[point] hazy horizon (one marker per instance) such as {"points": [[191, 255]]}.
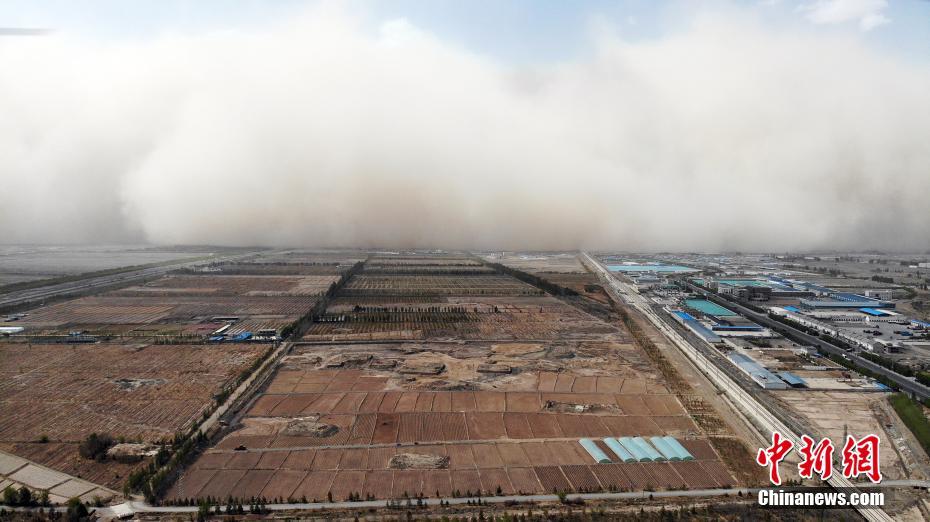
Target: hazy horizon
{"points": [[722, 127], [195, 247]]}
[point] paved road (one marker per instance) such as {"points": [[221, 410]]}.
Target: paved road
{"points": [[271, 360], [142, 507], [756, 410], [83, 285], [131, 507], [906, 384], [266, 369]]}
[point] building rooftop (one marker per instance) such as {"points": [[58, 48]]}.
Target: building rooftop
{"points": [[792, 379]]}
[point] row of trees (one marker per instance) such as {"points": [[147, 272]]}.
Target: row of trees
{"points": [[923, 378], [204, 510], [155, 478], [913, 417], [416, 309], [408, 271], [95, 446], [401, 317], [838, 359], [24, 497], [534, 280], [76, 512], [888, 363], [300, 326]]}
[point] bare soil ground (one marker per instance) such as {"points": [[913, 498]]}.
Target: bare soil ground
{"points": [[571, 376]]}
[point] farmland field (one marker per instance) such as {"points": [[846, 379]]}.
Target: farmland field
{"points": [[146, 362], [140, 392], [420, 381], [22, 263]]}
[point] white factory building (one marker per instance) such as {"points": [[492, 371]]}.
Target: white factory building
{"points": [[852, 338]]}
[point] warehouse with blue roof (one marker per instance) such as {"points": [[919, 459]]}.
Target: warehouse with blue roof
{"points": [[844, 300], [874, 312], [688, 321]]}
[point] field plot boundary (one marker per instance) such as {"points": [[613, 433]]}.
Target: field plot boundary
{"points": [[60, 486], [497, 406]]}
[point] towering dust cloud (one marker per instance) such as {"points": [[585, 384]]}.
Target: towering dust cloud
{"points": [[320, 131]]}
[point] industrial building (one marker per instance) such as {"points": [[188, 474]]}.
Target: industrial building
{"points": [[689, 322], [760, 289], [709, 308], [816, 289], [853, 338], [724, 322], [646, 282], [920, 325], [751, 292], [862, 315], [883, 294], [740, 330], [844, 300], [793, 380], [758, 373]]}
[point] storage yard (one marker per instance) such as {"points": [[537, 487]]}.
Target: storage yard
{"points": [[435, 377]]}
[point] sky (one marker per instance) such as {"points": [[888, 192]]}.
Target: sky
{"points": [[516, 31], [640, 125]]}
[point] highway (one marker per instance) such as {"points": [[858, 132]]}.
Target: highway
{"points": [[755, 410], [905, 383], [34, 295]]}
